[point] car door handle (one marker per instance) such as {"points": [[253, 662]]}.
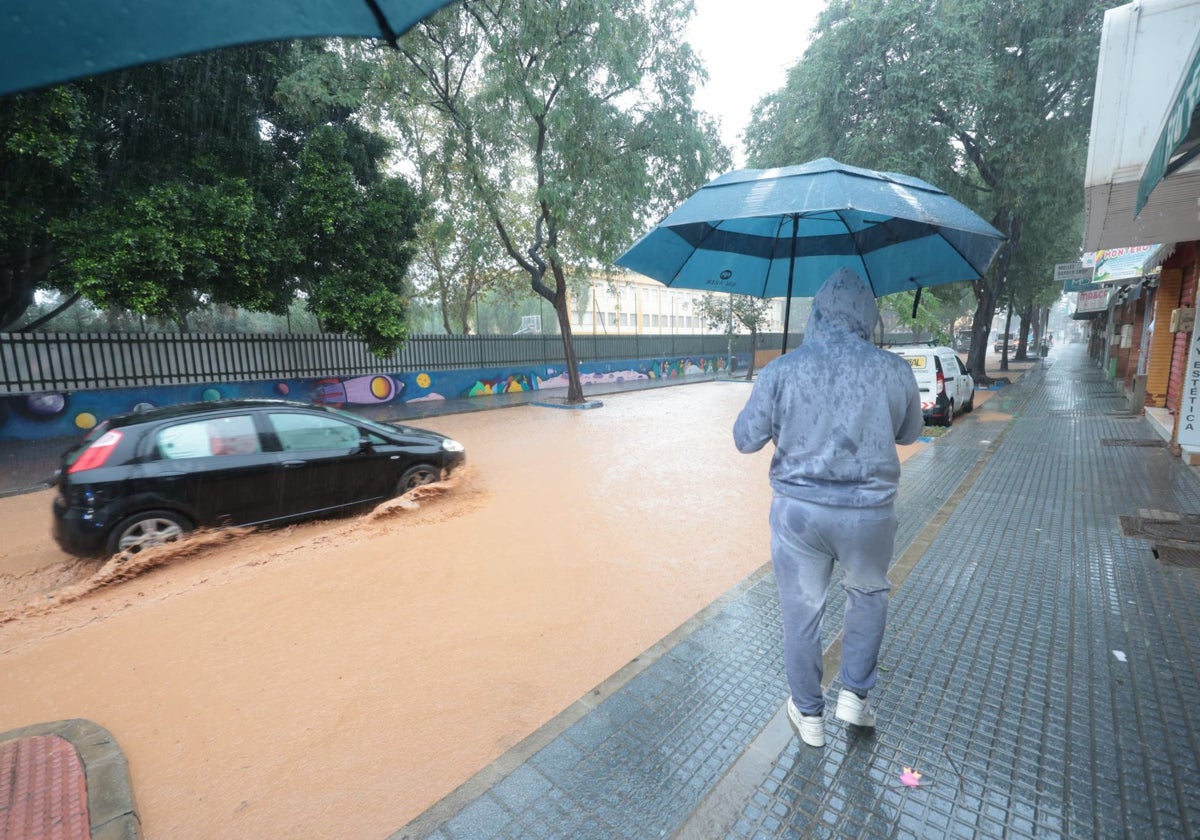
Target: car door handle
{"points": [[291, 465]]}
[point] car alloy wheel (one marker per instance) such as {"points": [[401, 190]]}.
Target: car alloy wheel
{"points": [[416, 476], [143, 530]]}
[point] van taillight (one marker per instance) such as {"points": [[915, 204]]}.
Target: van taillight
{"points": [[941, 382], [96, 454]]}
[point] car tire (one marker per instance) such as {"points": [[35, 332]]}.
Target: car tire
{"points": [[948, 419], [969, 405], [142, 530], [416, 476]]}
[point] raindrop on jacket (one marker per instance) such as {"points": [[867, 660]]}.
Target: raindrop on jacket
{"points": [[836, 406]]}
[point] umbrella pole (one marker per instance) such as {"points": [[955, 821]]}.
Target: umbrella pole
{"points": [[787, 306]]}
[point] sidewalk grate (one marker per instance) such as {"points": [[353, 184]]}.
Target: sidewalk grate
{"points": [[1155, 443], [1174, 537], [1183, 557], [1159, 529]]}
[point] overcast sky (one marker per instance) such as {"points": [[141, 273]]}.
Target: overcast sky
{"points": [[747, 46]]}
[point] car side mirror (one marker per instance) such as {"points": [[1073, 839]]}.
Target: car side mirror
{"points": [[365, 445]]}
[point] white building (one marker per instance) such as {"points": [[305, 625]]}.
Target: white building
{"points": [[632, 304]]}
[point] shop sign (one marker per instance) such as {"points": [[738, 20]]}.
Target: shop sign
{"points": [[1092, 300], [1074, 276], [1117, 265], [1189, 406]]}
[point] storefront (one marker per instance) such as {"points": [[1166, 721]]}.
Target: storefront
{"points": [[1141, 188]]}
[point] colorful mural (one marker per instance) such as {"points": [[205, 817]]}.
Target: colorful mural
{"points": [[67, 414]]}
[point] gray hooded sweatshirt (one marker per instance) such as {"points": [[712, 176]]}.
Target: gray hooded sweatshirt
{"points": [[835, 407]]}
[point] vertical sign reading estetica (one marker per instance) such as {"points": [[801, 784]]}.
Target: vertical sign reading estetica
{"points": [[1189, 406]]}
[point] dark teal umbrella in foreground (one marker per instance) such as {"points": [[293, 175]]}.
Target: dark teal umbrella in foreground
{"points": [[780, 232], [48, 42]]}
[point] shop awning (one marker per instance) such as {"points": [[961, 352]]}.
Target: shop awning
{"points": [[1179, 141], [1146, 59]]}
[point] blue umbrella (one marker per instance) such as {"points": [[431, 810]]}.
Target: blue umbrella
{"points": [[47, 42], [780, 232]]}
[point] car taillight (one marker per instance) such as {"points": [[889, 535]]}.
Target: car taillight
{"points": [[941, 382], [97, 453]]}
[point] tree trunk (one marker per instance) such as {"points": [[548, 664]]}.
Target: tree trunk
{"points": [[1008, 313], [1023, 339], [21, 274], [1035, 326], [50, 316], [753, 344], [574, 383], [980, 329], [464, 318], [558, 297]]}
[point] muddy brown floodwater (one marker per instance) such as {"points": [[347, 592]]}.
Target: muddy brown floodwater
{"points": [[338, 678]]}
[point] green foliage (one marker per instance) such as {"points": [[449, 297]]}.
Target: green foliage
{"points": [[937, 310], [237, 178], [729, 313], [989, 100], [168, 248], [568, 126]]}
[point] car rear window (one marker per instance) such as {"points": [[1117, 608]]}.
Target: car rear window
{"points": [[235, 435]]}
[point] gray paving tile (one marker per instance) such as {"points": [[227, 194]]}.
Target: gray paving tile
{"points": [[1004, 683]]}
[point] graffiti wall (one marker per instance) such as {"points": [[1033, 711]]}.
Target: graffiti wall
{"points": [[63, 414]]}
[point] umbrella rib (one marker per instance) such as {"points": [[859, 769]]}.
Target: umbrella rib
{"points": [[762, 295], [865, 268], [711, 229], [385, 26]]}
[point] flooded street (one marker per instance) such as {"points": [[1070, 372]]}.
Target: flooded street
{"points": [[338, 678]]}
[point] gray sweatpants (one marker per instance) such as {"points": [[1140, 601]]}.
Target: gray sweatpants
{"points": [[806, 538]]}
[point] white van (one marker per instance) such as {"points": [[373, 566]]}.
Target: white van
{"points": [[947, 387]]}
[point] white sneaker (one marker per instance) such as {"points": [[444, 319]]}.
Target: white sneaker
{"points": [[854, 709], [810, 728]]}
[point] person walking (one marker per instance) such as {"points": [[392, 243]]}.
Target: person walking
{"points": [[835, 408]]}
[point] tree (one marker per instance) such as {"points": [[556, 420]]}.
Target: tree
{"points": [[988, 99], [936, 311], [571, 121], [223, 178], [725, 313]]}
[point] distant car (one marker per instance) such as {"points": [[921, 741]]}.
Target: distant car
{"points": [[998, 344], [148, 477], [947, 387]]}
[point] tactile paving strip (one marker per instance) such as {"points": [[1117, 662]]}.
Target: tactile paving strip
{"points": [[43, 790]]}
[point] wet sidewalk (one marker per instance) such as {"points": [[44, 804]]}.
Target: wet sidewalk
{"points": [[1039, 677]]}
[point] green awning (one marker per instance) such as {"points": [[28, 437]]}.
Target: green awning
{"points": [[1180, 138]]}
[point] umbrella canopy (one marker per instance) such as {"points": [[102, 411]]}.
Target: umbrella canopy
{"points": [[781, 232], [47, 42]]}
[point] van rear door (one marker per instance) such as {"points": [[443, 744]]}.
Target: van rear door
{"points": [[924, 366]]}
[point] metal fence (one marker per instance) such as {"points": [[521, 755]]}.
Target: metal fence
{"points": [[35, 362]]}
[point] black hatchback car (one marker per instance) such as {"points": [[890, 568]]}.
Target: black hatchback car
{"points": [[147, 477]]}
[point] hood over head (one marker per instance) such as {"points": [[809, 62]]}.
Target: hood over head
{"points": [[844, 305]]}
